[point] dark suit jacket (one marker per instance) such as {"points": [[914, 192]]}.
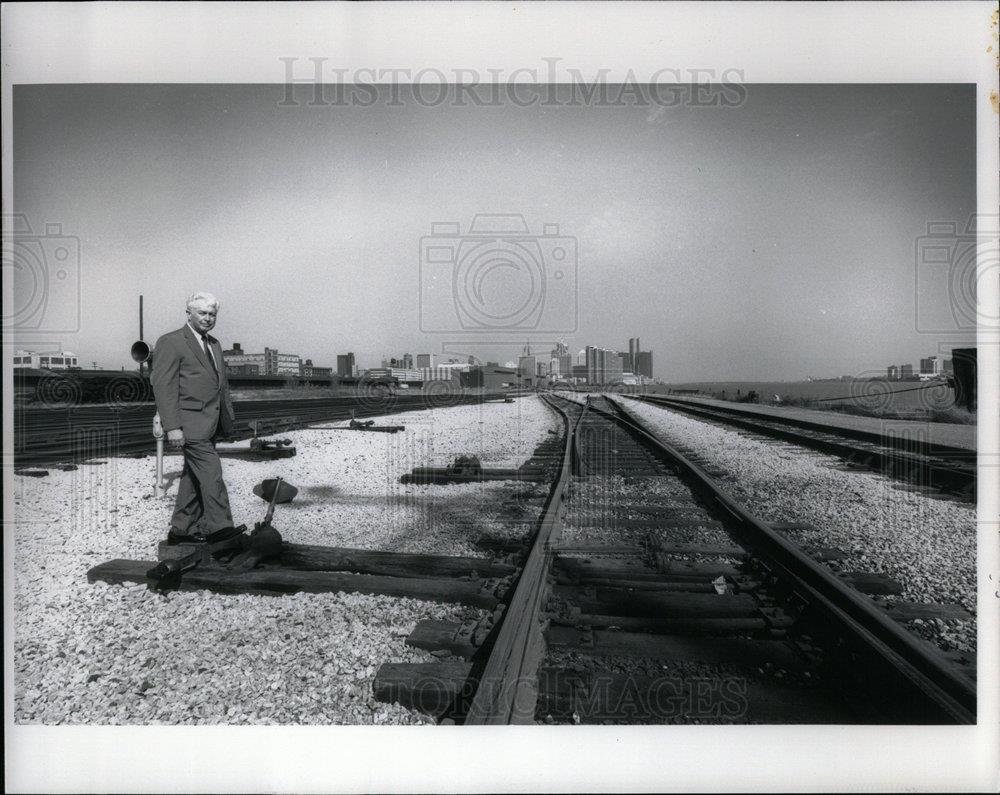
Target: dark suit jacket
{"points": [[188, 393]]}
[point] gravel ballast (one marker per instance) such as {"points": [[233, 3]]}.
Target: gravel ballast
{"points": [[125, 655], [926, 544]]}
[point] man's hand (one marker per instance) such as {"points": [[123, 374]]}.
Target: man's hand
{"points": [[176, 438]]}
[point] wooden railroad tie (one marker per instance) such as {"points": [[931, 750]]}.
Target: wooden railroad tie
{"points": [[646, 604], [459, 639], [625, 573], [622, 635], [679, 508], [910, 611], [872, 584], [501, 544], [605, 550], [667, 626], [445, 476], [478, 582], [827, 553], [705, 550], [683, 520], [676, 648]]}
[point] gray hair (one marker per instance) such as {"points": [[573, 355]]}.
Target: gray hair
{"points": [[203, 298]]}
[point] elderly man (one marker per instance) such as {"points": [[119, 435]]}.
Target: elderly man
{"points": [[192, 398]]}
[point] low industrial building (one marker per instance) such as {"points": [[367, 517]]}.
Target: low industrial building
{"points": [[310, 370], [270, 362], [45, 360]]}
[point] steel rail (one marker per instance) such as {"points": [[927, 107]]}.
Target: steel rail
{"points": [[905, 445], [950, 696], [507, 690], [951, 474], [56, 435]]}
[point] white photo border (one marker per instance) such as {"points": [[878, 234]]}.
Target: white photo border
{"points": [[900, 42]]}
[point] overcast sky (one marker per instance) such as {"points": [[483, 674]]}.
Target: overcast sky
{"points": [[773, 240]]}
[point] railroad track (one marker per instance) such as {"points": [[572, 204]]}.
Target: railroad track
{"points": [[643, 593], [58, 435], [647, 594], [932, 467]]}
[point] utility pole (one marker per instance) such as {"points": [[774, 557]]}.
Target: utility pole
{"points": [[141, 364]]}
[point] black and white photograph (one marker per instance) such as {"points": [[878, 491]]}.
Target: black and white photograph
{"points": [[629, 394]]}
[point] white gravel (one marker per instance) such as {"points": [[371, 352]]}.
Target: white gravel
{"points": [[926, 544], [124, 655]]}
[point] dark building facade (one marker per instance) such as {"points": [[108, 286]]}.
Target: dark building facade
{"points": [[345, 365], [644, 363]]}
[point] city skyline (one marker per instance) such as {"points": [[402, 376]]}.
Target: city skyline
{"points": [[345, 364], [771, 240]]}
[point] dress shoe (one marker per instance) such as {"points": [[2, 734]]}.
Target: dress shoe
{"points": [[174, 537], [224, 534]]}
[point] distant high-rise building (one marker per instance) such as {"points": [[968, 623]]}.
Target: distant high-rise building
{"points": [[644, 363], [612, 368], [892, 372], [948, 367], [594, 373], [633, 348], [345, 365], [425, 360], [526, 369], [603, 366], [905, 372], [408, 361], [932, 366]]}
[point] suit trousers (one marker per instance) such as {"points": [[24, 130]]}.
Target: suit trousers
{"points": [[201, 495]]}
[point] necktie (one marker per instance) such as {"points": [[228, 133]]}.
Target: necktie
{"points": [[208, 353]]}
